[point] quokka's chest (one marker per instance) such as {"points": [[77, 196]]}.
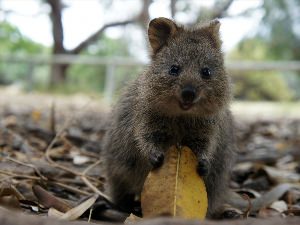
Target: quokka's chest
{"points": [[178, 131]]}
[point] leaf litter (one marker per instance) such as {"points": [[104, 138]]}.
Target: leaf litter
{"points": [[50, 166]]}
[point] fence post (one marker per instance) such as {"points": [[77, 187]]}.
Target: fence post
{"points": [[109, 82]]}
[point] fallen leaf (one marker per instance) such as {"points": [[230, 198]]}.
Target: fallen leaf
{"points": [[36, 115], [10, 190], [54, 213], [80, 160], [132, 219], [10, 121], [281, 176], [10, 196], [279, 206], [77, 211], [266, 213], [295, 210], [50, 201], [175, 189], [265, 200]]}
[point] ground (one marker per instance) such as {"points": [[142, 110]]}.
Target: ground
{"points": [[54, 142]]}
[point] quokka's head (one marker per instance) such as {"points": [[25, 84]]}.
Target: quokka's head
{"points": [[187, 74]]}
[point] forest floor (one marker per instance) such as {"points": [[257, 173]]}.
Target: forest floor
{"points": [[54, 142]]}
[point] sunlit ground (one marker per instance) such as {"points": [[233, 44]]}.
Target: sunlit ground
{"points": [[14, 98], [266, 110]]}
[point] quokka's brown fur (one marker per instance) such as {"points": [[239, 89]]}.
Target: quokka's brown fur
{"points": [[182, 98]]}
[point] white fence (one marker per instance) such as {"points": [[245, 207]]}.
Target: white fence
{"points": [[111, 63]]}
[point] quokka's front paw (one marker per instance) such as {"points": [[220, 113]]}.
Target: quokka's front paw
{"points": [[156, 159], [203, 168]]}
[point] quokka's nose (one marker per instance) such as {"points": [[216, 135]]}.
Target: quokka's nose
{"points": [[188, 94]]}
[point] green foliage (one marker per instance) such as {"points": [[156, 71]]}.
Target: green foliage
{"points": [[92, 78], [280, 28], [12, 42], [254, 49], [277, 39], [271, 86], [257, 86]]}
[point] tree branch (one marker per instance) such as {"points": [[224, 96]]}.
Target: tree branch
{"points": [[173, 8], [57, 26], [94, 37], [220, 11], [144, 16]]}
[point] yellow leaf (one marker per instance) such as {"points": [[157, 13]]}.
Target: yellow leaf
{"points": [[36, 115], [175, 189]]}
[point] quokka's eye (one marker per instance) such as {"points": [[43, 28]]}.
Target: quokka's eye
{"points": [[174, 70], [205, 73]]}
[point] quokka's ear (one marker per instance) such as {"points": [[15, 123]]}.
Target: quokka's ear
{"points": [[160, 31], [213, 30]]}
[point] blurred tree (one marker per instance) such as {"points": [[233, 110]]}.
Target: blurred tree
{"points": [[13, 42], [280, 29], [88, 78], [278, 38], [59, 71], [219, 9]]}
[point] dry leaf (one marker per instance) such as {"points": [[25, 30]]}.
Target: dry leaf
{"points": [[10, 190], [281, 176], [266, 213], [10, 196], [77, 211], [54, 213], [132, 219], [50, 201], [175, 189], [264, 201], [36, 115], [279, 206]]}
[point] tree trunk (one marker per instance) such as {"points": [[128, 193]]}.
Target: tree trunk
{"points": [[58, 74], [57, 71]]}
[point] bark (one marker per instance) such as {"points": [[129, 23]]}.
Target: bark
{"points": [[94, 37], [59, 71], [144, 16], [14, 218], [173, 8], [220, 11]]}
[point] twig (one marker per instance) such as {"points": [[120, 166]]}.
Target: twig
{"points": [[19, 175], [81, 175], [70, 188], [89, 184], [7, 177], [91, 167], [96, 190], [59, 134], [17, 193], [52, 118], [248, 210], [68, 180], [72, 171], [28, 165], [90, 214]]}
